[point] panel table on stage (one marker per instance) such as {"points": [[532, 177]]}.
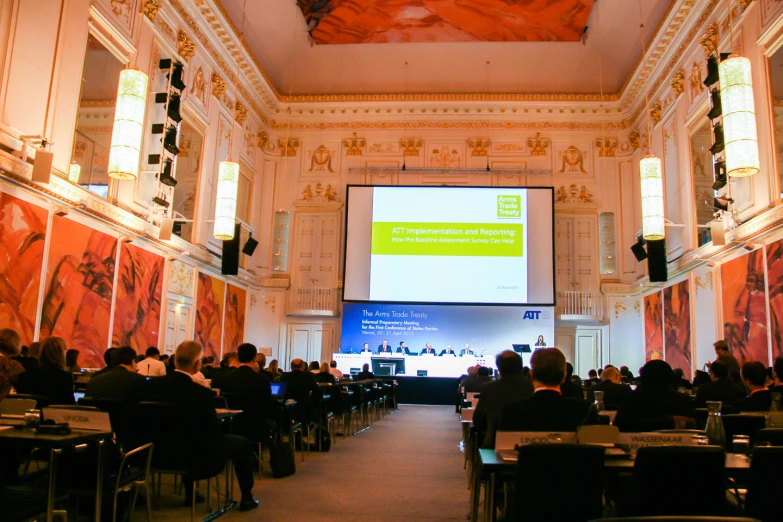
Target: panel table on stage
{"points": [[446, 366]]}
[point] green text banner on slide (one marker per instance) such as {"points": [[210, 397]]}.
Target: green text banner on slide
{"points": [[449, 245]]}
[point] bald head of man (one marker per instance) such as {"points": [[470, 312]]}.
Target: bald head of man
{"points": [[187, 358]]}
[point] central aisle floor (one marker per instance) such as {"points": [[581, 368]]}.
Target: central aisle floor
{"points": [[407, 466]]}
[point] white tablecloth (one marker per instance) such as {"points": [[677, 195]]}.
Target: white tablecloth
{"points": [[446, 366]]}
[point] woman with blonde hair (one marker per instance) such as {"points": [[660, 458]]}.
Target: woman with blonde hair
{"points": [[324, 375], [50, 379]]}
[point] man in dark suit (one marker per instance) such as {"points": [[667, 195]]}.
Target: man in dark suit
{"points": [[384, 347], [569, 388], [547, 409], [365, 349], [300, 380], [759, 398], [616, 394], [365, 373], [200, 432], [592, 378], [447, 351], [260, 360], [720, 388], [107, 358], [255, 390], [221, 377], [512, 386], [121, 382], [725, 356], [777, 368], [466, 351], [402, 348], [428, 350]]}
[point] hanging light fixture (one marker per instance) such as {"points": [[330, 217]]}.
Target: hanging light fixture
{"points": [[128, 125], [739, 117], [74, 171], [651, 174]]}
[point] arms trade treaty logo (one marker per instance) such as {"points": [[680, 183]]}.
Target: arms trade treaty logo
{"points": [[536, 314]]}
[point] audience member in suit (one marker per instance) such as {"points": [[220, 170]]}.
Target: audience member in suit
{"points": [[759, 398], [315, 367], [447, 351], [50, 378], [208, 366], [477, 377], [428, 350], [165, 360], [121, 382], [724, 355], [365, 373], [325, 376], [616, 394], [626, 375], [466, 351], [107, 359], [10, 369], [777, 369], [655, 404], [201, 434], [299, 379], [29, 358], [402, 348], [152, 366], [260, 361], [338, 375], [719, 389], [224, 375], [366, 349], [592, 378], [680, 381], [547, 409], [274, 369], [384, 347], [569, 388], [512, 386], [255, 422], [72, 361]]}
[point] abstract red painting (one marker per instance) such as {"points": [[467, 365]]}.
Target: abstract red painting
{"points": [[22, 238], [653, 327], [677, 326], [209, 313], [234, 326], [79, 288], [139, 290], [775, 286], [745, 308]]}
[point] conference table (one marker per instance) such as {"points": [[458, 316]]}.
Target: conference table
{"points": [[433, 365]]}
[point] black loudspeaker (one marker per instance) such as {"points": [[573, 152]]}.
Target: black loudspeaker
{"points": [[230, 262], [250, 246], [656, 261], [638, 250]]}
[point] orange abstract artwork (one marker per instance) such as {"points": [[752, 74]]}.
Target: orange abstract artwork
{"points": [[22, 238], [139, 289], [677, 326], [653, 327], [234, 330], [79, 288], [402, 21], [745, 307], [209, 313], [775, 285]]}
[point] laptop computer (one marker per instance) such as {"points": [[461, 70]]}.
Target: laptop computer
{"points": [[278, 389]]}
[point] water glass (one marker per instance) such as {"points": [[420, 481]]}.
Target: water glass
{"points": [[741, 444], [32, 418]]}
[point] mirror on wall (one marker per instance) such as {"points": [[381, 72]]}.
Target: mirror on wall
{"points": [[776, 82], [187, 170], [95, 119], [702, 175]]}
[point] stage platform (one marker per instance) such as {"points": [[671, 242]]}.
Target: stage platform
{"points": [[393, 365], [426, 390]]}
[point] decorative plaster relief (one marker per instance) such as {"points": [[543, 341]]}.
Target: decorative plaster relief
{"points": [[354, 146], [319, 193], [240, 113], [321, 159], [572, 160], [410, 146], [706, 282], [185, 46], [445, 155], [289, 147], [695, 81], [385, 147], [218, 85], [181, 278], [573, 194], [606, 147], [709, 41], [479, 146], [677, 82], [655, 112], [500, 147], [150, 9], [619, 308], [538, 145]]}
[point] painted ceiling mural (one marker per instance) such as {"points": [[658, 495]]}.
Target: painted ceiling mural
{"points": [[415, 21]]}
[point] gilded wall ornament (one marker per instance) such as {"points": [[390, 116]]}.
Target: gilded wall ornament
{"points": [[166, 29], [619, 308], [78, 149], [606, 147], [633, 139], [479, 146], [218, 86], [319, 193], [678, 82], [271, 302], [655, 112], [263, 139], [199, 87], [185, 46], [120, 6], [695, 84], [744, 4], [354, 146], [573, 194], [445, 157], [288, 148], [538, 145], [240, 113], [249, 142], [150, 9], [181, 279], [321, 160], [710, 39], [410, 146], [572, 161], [703, 283]]}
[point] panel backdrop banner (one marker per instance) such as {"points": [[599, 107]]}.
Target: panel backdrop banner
{"points": [[22, 238], [209, 313], [745, 307], [139, 290], [775, 285], [677, 326], [79, 288], [653, 327], [488, 329], [234, 326]]}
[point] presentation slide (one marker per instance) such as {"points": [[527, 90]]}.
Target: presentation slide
{"points": [[487, 329], [467, 245]]}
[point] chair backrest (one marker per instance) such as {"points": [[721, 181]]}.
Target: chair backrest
{"points": [[677, 519], [162, 424], [119, 413], [679, 480], [40, 400], [763, 499], [771, 436], [542, 482], [12, 406], [742, 424]]}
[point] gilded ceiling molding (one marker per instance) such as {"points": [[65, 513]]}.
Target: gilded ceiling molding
{"points": [[448, 97], [288, 147], [633, 139], [240, 113], [410, 146], [150, 9], [655, 112], [263, 139], [354, 146], [185, 46], [744, 4], [538, 145], [710, 39], [218, 85], [677, 83], [607, 148], [479, 146]]}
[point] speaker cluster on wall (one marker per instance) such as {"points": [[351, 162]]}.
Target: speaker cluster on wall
{"points": [[230, 261], [654, 251]]}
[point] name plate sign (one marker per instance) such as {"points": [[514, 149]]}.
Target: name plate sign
{"points": [[79, 419], [508, 440], [635, 441]]}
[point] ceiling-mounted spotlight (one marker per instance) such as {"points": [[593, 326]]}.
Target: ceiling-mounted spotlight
{"points": [[173, 109], [720, 175], [712, 71], [638, 249], [250, 245], [176, 76], [170, 140], [165, 177], [750, 247], [160, 201], [719, 145], [716, 110], [722, 203]]}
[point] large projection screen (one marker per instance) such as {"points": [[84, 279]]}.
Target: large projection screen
{"points": [[450, 245]]}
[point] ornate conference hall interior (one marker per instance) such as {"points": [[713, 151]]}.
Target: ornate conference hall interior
{"points": [[304, 176]]}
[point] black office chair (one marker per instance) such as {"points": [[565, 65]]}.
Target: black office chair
{"points": [[542, 486], [769, 436], [763, 498], [661, 487], [119, 415], [742, 424], [41, 401]]}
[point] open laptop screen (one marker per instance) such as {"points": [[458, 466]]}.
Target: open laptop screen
{"points": [[278, 389]]}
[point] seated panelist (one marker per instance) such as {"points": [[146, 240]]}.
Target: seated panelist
{"points": [[402, 348], [447, 351], [466, 351], [428, 350], [384, 347], [366, 348]]}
